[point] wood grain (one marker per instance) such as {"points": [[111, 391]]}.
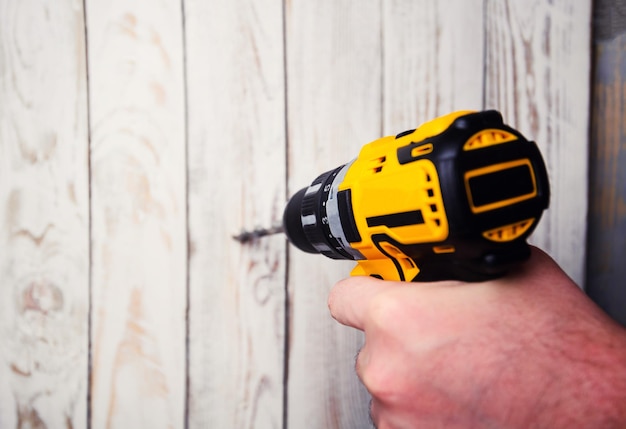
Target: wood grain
{"points": [[433, 60], [236, 90], [607, 215], [537, 75], [44, 233], [334, 107], [205, 116], [138, 214]]}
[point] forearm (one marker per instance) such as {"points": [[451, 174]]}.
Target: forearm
{"points": [[579, 383], [593, 391]]}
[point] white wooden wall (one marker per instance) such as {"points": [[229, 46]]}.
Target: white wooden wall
{"points": [[137, 136]]}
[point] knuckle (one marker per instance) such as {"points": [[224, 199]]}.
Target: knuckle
{"points": [[377, 380]]}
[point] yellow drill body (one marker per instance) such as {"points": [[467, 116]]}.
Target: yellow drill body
{"points": [[454, 198]]}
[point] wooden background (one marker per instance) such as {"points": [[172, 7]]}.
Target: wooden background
{"points": [[606, 242], [137, 136]]}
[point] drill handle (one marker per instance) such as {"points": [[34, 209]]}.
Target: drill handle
{"points": [[387, 269], [399, 267]]}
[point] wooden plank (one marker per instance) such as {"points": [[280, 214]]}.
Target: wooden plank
{"points": [[334, 107], [44, 237], [138, 206], [433, 60], [537, 75], [607, 216], [236, 180]]}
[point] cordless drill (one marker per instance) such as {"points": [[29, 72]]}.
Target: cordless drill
{"points": [[455, 198]]}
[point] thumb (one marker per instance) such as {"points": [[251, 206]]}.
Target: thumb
{"points": [[350, 299]]}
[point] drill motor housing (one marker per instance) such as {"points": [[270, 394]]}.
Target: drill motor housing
{"points": [[455, 198]]}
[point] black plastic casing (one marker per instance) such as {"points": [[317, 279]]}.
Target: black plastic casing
{"points": [[476, 258]]}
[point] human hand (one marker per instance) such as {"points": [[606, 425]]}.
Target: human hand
{"points": [[526, 350]]}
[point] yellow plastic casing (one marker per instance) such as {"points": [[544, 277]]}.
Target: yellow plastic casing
{"points": [[381, 186]]}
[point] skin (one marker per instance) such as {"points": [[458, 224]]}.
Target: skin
{"points": [[529, 350]]}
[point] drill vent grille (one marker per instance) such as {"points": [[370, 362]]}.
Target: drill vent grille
{"points": [[508, 232], [378, 164], [487, 138]]}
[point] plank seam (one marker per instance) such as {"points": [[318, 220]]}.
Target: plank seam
{"points": [[89, 225], [381, 41], [187, 230], [484, 71], [287, 309]]}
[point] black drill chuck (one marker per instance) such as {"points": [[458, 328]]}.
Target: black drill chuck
{"points": [[292, 223]]}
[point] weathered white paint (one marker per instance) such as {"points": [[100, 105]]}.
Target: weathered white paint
{"points": [[44, 216], [433, 60], [205, 116], [138, 211], [334, 107], [537, 73], [236, 167]]}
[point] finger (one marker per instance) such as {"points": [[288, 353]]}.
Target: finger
{"points": [[361, 361], [350, 299], [374, 412]]}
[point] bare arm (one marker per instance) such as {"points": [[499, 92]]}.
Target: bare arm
{"points": [[527, 350]]}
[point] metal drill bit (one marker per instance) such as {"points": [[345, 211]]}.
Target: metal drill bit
{"points": [[249, 236]]}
